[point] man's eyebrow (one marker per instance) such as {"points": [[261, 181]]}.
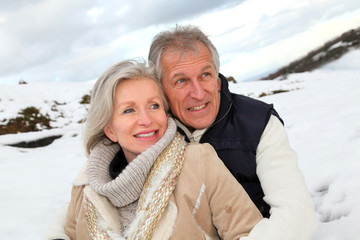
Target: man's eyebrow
{"points": [[206, 67], [181, 74], [176, 75]]}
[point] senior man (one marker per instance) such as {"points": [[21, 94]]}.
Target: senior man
{"points": [[247, 134]]}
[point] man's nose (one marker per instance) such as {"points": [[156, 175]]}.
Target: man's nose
{"points": [[197, 91]]}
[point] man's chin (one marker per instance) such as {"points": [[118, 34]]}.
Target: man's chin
{"points": [[198, 125]]}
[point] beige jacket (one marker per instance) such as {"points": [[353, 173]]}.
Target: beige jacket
{"points": [[207, 203]]}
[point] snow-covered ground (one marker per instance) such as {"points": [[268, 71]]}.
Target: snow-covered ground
{"points": [[321, 113]]}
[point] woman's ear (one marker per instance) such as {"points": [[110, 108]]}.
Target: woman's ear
{"points": [[110, 133]]}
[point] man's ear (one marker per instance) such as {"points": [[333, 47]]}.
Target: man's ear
{"points": [[219, 85], [110, 133]]}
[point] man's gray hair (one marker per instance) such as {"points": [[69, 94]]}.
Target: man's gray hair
{"points": [[181, 38], [103, 95]]}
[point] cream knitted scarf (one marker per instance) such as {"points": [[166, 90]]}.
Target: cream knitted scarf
{"points": [[154, 181], [158, 188]]}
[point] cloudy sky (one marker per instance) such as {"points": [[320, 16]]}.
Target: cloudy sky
{"points": [[67, 40]]}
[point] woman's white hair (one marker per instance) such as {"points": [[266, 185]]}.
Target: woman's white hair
{"points": [[103, 95]]}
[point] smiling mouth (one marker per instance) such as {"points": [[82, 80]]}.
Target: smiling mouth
{"points": [[198, 107], [146, 135]]}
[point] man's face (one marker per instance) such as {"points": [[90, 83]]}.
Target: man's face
{"points": [[191, 85]]}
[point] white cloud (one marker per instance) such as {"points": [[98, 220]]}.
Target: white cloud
{"points": [[94, 13], [276, 34], [39, 37]]}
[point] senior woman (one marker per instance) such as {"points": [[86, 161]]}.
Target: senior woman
{"points": [[142, 180]]}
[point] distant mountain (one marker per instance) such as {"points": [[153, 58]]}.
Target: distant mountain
{"points": [[331, 51]]}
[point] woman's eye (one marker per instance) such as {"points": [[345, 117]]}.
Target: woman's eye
{"points": [[155, 106], [129, 110]]}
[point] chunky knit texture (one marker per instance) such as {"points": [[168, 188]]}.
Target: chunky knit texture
{"points": [[125, 188]]}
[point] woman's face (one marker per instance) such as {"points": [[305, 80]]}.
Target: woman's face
{"points": [[139, 119]]}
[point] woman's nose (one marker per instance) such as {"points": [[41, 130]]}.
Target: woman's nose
{"points": [[144, 118]]}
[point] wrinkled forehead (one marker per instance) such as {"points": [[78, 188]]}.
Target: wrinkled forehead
{"points": [[182, 50], [179, 53]]}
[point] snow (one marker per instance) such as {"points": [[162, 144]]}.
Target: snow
{"points": [[321, 111]]}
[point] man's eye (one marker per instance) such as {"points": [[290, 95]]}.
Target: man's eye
{"points": [[180, 81], [206, 74], [155, 106]]}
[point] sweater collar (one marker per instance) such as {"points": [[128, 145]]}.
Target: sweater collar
{"points": [[225, 96]]}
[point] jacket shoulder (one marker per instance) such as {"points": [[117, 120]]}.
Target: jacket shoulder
{"points": [[244, 105], [200, 156], [81, 178], [200, 150], [254, 107]]}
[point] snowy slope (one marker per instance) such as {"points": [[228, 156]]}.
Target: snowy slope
{"points": [[321, 114]]}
